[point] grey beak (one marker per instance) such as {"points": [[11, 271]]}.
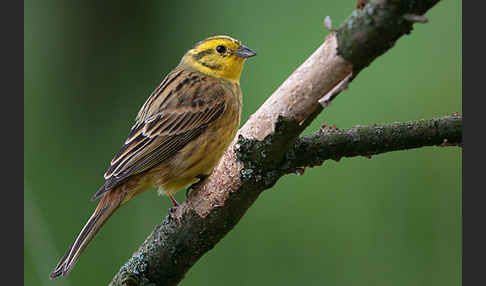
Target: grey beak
{"points": [[245, 52]]}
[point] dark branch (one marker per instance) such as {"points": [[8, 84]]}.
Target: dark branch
{"points": [[372, 30], [331, 143]]}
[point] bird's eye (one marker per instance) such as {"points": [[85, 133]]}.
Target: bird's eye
{"points": [[221, 49]]}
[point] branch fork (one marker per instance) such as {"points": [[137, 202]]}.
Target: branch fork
{"points": [[271, 137]]}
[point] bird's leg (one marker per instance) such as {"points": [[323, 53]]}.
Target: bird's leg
{"points": [[196, 184], [173, 209], [174, 202]]}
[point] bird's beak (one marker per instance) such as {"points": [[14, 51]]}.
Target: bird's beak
{"points": [[245, 52]]}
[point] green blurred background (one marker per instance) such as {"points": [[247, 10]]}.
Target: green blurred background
{"points": [[391, 220]]}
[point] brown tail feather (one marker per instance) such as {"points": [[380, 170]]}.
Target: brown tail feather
{"points": [[108, 205]]}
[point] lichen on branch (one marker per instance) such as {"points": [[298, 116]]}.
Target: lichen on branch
{"points": [[332, 143]]}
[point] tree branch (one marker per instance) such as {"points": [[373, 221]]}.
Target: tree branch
{"points": [[331, 143], [255, 160]]}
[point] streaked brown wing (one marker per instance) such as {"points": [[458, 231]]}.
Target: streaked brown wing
{"points": [[177, 112]]}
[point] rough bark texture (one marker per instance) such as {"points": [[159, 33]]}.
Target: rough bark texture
{"points": [[257, 157], [331, 143], [374, 29]]}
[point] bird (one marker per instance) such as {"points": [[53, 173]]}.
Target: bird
{"points": [[179, 135]]}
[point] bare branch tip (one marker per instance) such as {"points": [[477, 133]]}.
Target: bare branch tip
{"points": [[413, 18], [325, 101], [328, 24]]}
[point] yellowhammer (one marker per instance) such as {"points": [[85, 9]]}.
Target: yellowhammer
{"points": [[179, 135]]}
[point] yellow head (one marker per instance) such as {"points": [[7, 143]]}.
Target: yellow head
{"points": [[218, 56]]}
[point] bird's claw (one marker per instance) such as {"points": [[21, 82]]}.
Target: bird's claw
{"points": [[196, 184]]}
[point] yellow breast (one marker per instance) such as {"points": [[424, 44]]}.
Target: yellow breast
{"points": [[201, 155]]}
